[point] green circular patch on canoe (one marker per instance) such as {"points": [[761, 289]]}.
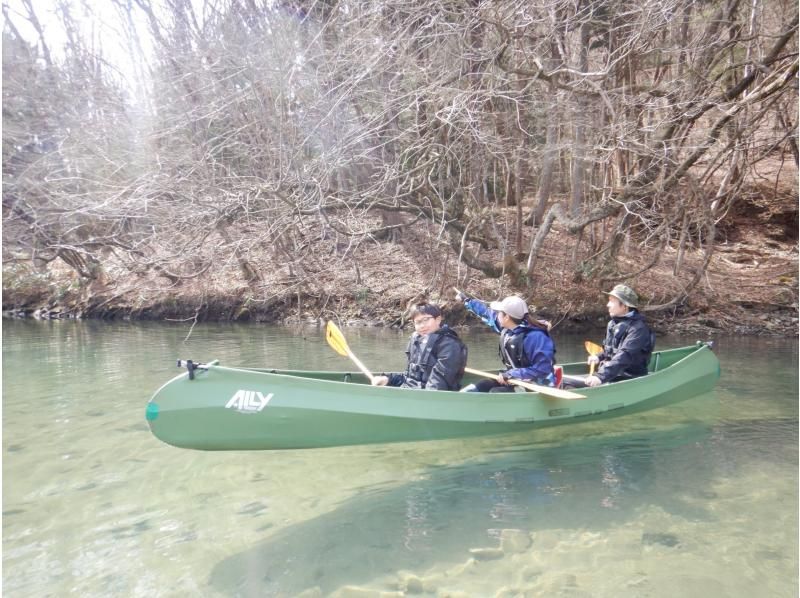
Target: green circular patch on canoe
{"points": [[152, 411]]}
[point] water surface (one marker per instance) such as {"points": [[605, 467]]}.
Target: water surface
{"points": [[697, 499]]}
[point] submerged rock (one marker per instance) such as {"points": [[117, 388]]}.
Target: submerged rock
{"points": [[359, 592], [651, 538], [514, 541], [486, 554], [467, 567], [410, 583]]}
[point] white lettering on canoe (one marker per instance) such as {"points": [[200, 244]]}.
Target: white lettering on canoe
{"points": [[248, 400]]}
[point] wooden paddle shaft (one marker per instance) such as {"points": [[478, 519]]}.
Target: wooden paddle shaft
{"points": [[542, 390], [360, 365]]}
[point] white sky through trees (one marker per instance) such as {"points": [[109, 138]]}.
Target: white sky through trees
{"points": [[124, 44]]}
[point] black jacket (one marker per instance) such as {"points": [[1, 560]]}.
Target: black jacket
{"points": [[626, 349], [435, 362]]}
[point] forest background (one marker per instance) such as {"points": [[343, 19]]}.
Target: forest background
{"points": [[306, 160]]}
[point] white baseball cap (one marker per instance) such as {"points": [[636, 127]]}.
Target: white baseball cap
{"points": [[513, 306]]}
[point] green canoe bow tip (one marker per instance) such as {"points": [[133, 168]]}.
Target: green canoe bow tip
{"points": [[152, 411]]}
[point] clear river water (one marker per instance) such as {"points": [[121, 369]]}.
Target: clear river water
{"points": [[696, 499]]}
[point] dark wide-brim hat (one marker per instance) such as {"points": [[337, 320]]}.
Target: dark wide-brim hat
{"points": [[625, 294]]}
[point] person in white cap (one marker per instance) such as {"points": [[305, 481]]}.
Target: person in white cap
{"points": [[526, 349], [627, 346]]}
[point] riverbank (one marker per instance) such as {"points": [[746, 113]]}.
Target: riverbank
{"points": [[776, 323], [749, 288]]}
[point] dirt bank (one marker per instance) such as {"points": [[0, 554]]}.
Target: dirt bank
{"points": [[749, 288]]}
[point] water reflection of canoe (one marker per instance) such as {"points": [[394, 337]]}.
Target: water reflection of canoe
{"points": [[228, 408]]}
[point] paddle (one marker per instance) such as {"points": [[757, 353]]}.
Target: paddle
{"points": [[547, 391], [592, 349], [337, 342]]}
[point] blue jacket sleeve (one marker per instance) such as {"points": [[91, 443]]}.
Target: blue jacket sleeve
{"points": [[480, 309], [541, 352]]}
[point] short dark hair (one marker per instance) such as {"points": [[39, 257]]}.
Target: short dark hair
{"points": [[428, 309]]}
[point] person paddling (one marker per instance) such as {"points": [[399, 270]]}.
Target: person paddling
{"points": [[526, 349], [436, 356], [628, 344]]}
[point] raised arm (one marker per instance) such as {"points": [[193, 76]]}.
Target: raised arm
{"points": [[487, 315]]}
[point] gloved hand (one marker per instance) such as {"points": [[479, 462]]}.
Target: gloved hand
{"points": [[593, 359], [462, 296]]}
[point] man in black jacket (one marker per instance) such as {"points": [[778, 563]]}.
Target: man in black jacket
{"points": [[436, 356], [627, 346]]}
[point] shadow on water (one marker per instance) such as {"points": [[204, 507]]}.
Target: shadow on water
{"points": [[585, 484]]}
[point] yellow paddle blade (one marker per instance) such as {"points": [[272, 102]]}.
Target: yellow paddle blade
{"points": [[593, 348], [336, 340]]}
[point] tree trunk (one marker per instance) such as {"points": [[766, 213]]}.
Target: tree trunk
{"points": [[549, 157]]}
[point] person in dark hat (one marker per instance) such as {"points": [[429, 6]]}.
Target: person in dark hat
{"points": [[436, 356], [526, 349], [627, 346]]}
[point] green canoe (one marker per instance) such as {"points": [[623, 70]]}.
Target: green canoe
{"points": [[211, 407]]}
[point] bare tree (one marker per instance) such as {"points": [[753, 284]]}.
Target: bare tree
{"points": [[300, 129]]}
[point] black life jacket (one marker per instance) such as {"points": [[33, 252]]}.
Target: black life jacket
{"points": [[512, 345], [421, 364]]}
